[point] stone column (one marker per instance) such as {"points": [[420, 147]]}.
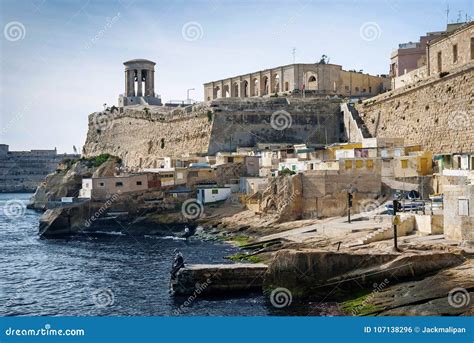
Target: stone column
{"points": [[152, 83], [149, 83], [282, 81], [251, 86], [139, 80], [130, 86]]}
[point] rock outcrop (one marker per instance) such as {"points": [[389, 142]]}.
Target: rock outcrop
{"points": [[68, 183], [315, 273]]}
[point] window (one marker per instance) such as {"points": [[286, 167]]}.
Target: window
{"points": [[348, 164], [357, 89], [369, 164], [230, 160], [334, 86], [370, 89], [119, 184], [293, 167], [472, 48], [347, 88], [440, 62], [215, 191], [404, 164], [463, 207], [139, 183], [287, 86], [455, 53], [101, 184], [359, 163]]}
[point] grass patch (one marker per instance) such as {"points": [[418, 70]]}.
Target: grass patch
{"points": [[240, 240], [241, 257], [359, 306]]}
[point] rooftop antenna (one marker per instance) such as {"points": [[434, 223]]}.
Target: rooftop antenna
{"points": [[459, 17], [293, 52], [447, 14]]}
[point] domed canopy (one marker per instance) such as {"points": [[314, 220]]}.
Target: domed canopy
{"points": [[139, 61]]}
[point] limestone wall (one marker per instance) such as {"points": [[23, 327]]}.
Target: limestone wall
{"points": [[437, 113], [141, 139], [143, 136], [246, 122]]}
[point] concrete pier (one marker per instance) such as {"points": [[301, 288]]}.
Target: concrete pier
{"points": [[218, 278]]}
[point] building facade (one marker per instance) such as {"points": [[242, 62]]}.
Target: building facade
{"points": [[452, 51], [23, 171], [314, 79]]}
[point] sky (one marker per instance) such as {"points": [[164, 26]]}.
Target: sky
{"points": [[62, 60]]}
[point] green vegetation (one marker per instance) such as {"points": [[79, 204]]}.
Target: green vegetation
{"points": [[97, 161], [359, 306], [209, 116], [240, 240], [242, 257], [147, 110], [286, 172]]}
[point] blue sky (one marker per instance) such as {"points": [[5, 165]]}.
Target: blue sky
{"points": [[68, 62]]}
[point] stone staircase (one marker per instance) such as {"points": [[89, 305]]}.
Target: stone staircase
{"points": [[406, 226]]}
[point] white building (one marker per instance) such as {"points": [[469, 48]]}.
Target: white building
{"points": [[213, 194]]}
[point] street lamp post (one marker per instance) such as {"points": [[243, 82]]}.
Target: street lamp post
{"points": [[188, 100]]}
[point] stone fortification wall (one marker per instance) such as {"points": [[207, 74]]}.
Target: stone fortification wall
{"points": [[437, 112], [142, 136]]}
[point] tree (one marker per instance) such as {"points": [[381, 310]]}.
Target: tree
{"points": [[324, 59]]}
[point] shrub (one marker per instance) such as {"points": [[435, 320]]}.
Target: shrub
{"points": [[286, 172]]}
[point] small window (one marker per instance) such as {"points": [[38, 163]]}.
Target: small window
{"points": [[357, 89], [119, 184], [347, 88], [293, 167], [463, 207], [101, 184], [215, 191], [370, 89], [230, 160], [139, 183], [440, 62], [369, 164], [455, 53], [472, 48], [404, 164], [348, 164], [359, 163]]}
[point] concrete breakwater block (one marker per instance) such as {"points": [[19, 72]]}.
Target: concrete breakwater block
{"points": [[218, 278]]}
